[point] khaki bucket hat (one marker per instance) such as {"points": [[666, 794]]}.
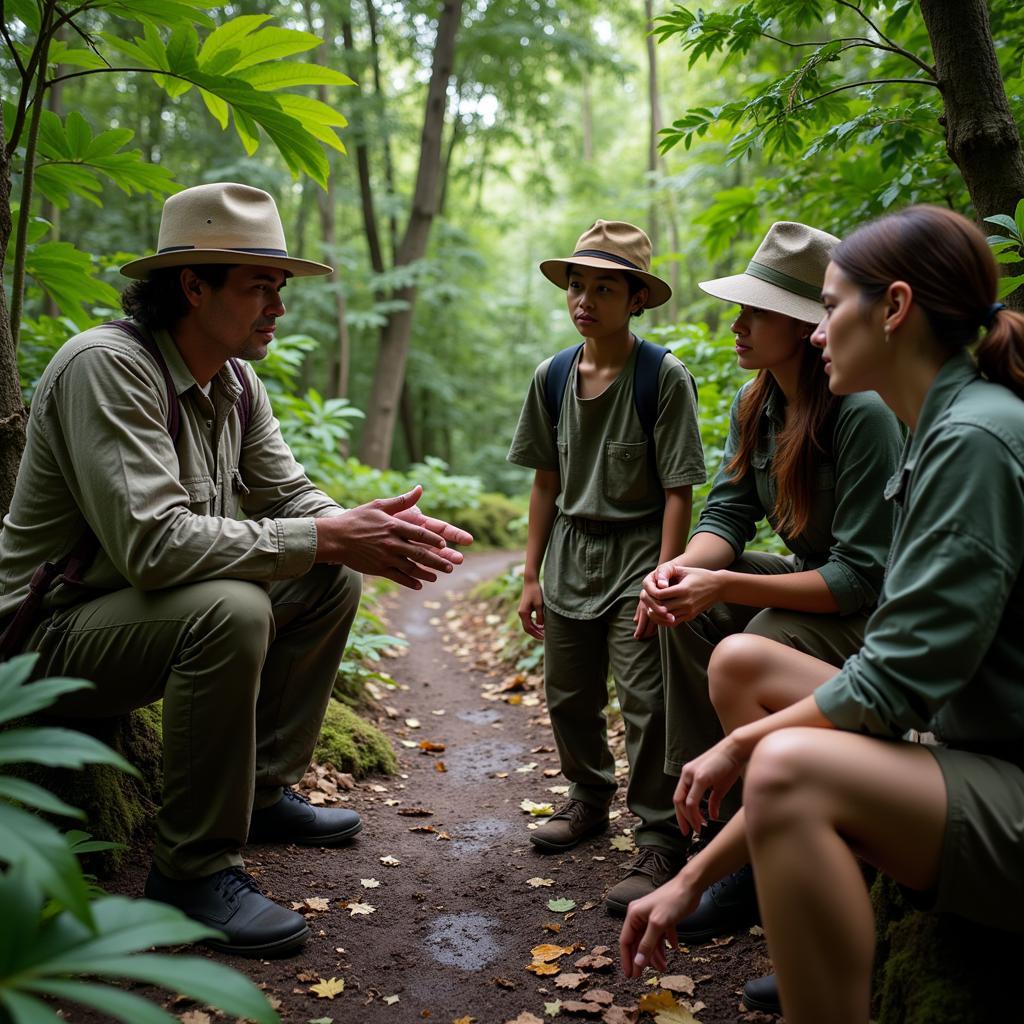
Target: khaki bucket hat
{"points": [[785, 275], [614, 245], [222, 223]]}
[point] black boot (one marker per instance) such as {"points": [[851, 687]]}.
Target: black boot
{"points": [[726, 907], [230, 901], [293, 819], [762, 994]]}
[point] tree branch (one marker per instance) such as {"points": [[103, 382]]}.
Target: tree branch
{"points": [[891, 45], [10, 43], [860, 85]]}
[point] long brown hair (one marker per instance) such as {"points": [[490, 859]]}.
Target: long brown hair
{"points": [[798, 446], [948, 264]]}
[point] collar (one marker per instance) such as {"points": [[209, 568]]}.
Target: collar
{"points": [[955, 374], [182, 376]]}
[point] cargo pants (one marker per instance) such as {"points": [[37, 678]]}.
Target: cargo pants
{"points": [[245, 671]]}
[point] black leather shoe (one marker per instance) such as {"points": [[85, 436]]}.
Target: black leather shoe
{"points": [[231, 901], [726, 907], [294, 820], [762, 994]]}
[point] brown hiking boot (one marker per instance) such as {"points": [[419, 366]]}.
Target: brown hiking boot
{"points": [[654, 867], [569, 825]]}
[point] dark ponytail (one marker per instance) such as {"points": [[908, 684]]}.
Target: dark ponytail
{"points": [[948, 264]]}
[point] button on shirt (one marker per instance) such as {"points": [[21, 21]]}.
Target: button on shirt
{"points": [[850, 527], [943, 649], [98, 457]]}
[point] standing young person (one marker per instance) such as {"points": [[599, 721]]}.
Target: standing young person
{"points": [[608, 502], [942, 651], [815, 466]]}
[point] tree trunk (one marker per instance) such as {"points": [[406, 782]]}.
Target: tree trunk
{"points": [[389, 374], [981, 134], [12, 408], [654, 125]]}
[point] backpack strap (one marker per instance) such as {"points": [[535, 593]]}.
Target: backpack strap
{"points": [[245, 399], [557, 380], [645, 385], [173, 410]]}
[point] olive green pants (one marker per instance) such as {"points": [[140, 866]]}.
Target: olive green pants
{"points": [[690, 720], [577, 657], [245, 671]]}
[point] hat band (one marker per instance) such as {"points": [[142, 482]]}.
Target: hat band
{"points": [[609, 256], [227, 248], [777, 277]]}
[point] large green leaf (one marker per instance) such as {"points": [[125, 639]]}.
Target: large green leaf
{"points": [[228, 37], [57, 748], [288, 74], [40, 851], [18, 699], [272, 43], [31, 795], [160, 12], [27, 1010], [65, 273], [108, 1000]]}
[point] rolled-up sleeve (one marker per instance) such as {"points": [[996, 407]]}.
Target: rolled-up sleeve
{"points": [[955, 559], [733, 508], [866, 450]]}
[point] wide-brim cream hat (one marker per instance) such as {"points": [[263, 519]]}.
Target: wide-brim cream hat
{"points": [[786, 274], [222, 223], [613, 245]]}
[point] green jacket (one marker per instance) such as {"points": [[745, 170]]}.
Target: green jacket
{"points": [[98, 457], [847, 539], [943, 650]]}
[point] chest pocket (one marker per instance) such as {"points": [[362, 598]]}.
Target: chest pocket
{"points": [[625, 471], [201, 493]]}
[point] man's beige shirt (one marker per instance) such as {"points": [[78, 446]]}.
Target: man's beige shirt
{"points": [[99, 457]]}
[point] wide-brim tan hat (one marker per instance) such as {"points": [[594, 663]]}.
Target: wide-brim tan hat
{"points": [[222, 223], [612, 245], [786, 274]]}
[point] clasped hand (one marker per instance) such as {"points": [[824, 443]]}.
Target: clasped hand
{"points": [[675, 593]]}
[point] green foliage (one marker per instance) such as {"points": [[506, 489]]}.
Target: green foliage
{"points": [[495, 522], [1008, 247], [352, 744], [57, 930]]}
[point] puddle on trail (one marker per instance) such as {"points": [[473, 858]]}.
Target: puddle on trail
{"points": [[475, 761], [464, 941], [481, 834], [481, 716]]}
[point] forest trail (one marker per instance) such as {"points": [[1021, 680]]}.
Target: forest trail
{"points": [[446, 933]]}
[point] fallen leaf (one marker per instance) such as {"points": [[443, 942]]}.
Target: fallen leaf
{"points": [[413, 723], [552, 773], [328, 989], [422, 828], [678, 983], [536, 809], [305, 976], [391, 1000], [578, 1006], [369, 883], [551, 1009], [543, 750], [561, 906], [620, 1015], [682, 1014], [572, 981], [443, 835], [439, 712], [600, 950], [539, 968], [655, 1002], [556, 928], [537, 883], [723, 940], [408, 743], [504, 982], [415, 812], [431, 748], [559, 790], [440, 766], [525, 1018], [395, 803], [360, 908], [377, 788], [464, 1020], [322, 1020], [390, 862], [504, 775], [756, 930], [624, 843], [594, 963], [317, 903], [523, 769], [548, 952]]}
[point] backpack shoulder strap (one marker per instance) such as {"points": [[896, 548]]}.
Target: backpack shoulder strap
{"points": [[555, 383], [173, 411], [245, 399], [645, 384]]}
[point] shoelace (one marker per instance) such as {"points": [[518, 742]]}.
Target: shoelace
{"points": [[298, 798], [651, 862], [234, 881], [573, 810]]}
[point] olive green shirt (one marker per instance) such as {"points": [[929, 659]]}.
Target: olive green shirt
{"points": [[600, 453], [850, 528], [943, 650], [99, 457]]}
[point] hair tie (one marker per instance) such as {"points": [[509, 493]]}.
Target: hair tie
{"points": [[990, 317]]}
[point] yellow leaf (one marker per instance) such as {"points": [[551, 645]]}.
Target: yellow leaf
{"points": [[360, 908], [654, 1002], [537, 883], [464, 1020], [391, 1000], [548, 952], [369, 883], [539, 967], [328, 989]]}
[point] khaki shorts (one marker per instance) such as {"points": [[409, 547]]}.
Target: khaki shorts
{"points": [[981, 875]]}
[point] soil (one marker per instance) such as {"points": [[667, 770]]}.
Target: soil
{"points": [[454, 920]]}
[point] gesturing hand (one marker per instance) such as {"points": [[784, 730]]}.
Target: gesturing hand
{"points": [[650, 923], [714, 773], [377, 539], [451, 534]]}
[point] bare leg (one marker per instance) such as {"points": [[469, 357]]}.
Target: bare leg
{"points": [[815, 800], [750, 677]]}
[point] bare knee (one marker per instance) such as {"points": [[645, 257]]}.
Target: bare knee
{"points": [[735, 665], [779, 780]]}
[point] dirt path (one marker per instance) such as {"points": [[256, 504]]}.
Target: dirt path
{"points": [[454, 919]]}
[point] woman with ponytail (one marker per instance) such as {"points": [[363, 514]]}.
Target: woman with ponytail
{"points": [[828, 778], [815, 466]]}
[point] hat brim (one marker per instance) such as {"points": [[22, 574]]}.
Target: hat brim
{"points": [[745, 290], [658, 292], [140, 269]]}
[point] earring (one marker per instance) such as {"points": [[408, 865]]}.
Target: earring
{"points": [[887, 330]]}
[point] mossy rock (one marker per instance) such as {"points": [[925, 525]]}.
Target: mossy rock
{"points": [[118, 807], [353, 745], [496, 521], [939, 968]]}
